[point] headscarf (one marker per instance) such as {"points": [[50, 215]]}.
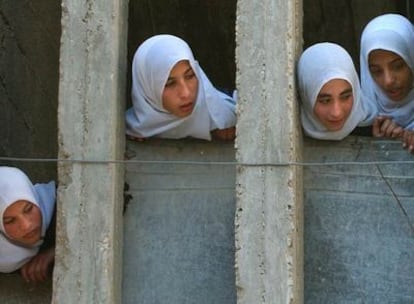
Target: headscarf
{"points": [[151, 67], [15, 186], [394, 33], [317, 65]]}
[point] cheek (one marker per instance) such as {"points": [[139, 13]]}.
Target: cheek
{"points": [[348, 107], [166, 99], [195, 88], [37, 220], [408, 77], [11, 231], [320, 112]]}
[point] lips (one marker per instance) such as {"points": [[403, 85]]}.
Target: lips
{"points": [[187, 107], [394, 93], [336, 124], [33, 233]]}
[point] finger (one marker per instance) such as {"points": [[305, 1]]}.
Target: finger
{"points": [[23, 272], [376, 127], [397, 132]]}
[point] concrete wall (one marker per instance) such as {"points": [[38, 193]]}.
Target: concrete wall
{"points": [[269, 224], [91, 128], [359, 223], [179, 223]]}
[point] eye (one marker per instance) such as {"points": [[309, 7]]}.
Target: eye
{"points": [[28, 208], [398, 65], [323, 100], [189, 75], [170, 83], [376, 72], [346, 96], [8, 220]]}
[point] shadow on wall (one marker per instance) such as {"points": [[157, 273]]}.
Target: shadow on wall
{"points": [[323, 23], [29, 80]]}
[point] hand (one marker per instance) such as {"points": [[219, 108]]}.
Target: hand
{"points": [[135, 138], [408, 141], [383, 126], [39, 267], [224, 134]]}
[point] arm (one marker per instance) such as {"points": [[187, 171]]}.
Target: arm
{"points": [[39, 267], [135, 138], [224, 134]]}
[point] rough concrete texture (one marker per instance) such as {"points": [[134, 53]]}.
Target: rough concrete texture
{"points": [[359, 223], [89, 219], [269, 250], [179, 224]]}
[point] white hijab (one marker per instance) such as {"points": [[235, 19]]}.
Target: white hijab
{"points": [[151, 67], [390, 32], [317, 65], [14, 186]]}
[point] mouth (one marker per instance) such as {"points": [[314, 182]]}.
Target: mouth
{"points": [[187, 108], [394, 94], [32, 234], [336, 124]]}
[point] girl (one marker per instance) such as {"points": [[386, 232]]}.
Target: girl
{"points": [[25, 214], [330, 93], [387, 61], [172, 97]]}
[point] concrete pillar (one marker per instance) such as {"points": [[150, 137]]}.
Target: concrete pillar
{"points": [[269, 225], [90, 119]]}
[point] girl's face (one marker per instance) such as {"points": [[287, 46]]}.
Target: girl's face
{"points": [[180, 90], [334, 104], [22, 222], [391, 73]]}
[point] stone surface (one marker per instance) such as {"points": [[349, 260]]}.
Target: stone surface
{"points": [[179, 224], [359, 244]]}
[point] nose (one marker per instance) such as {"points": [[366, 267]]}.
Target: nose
{"points": [[336, 109], [388, 78], [184, 89], [25, 224]]}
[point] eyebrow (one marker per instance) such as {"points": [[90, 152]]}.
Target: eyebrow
{"points": [[324, 95], [190, 69], [390, 62], [346, 91]]}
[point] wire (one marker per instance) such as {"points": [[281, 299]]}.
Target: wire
{"points": [[216, 163]]}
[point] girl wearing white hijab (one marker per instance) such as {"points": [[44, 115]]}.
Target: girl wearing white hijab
{"points": [[172, 103], [26, 211], [387, 62], [332, 104]]}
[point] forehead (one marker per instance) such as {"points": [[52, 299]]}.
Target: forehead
{"points": [[382, 56], [16, 208], [180, 67], [335, 85]]}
